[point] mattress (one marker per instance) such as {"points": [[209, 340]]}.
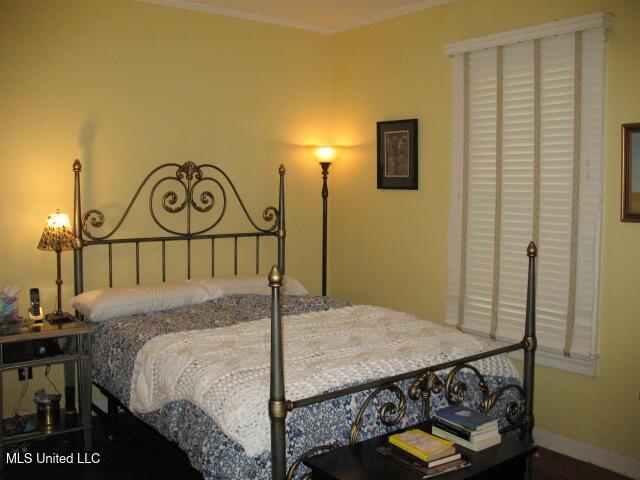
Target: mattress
{"points": [[117, 343]]}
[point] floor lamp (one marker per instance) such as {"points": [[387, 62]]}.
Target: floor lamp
{"points": [[325, 154]]}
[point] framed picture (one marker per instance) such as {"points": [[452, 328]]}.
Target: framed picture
{"points": [[398, 154], [631, 172]]}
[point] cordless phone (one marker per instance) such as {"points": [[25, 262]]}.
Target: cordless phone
{"points": [[35, 310]]}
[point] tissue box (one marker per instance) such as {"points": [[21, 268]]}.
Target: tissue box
{"points": [[8, 308]]}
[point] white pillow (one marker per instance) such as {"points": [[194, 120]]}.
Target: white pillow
{"points": [[103, 304], [250, 284]]}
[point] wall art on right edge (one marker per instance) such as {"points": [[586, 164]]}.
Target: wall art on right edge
{"points": [[630, 172]]}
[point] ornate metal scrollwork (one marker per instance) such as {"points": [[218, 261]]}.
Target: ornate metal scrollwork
{"points": [[270, 214], [207, 200], [321, 448], [422, 388], [95, 218], [170, 198], [513, 410], [190, 178], [389, 413], [456, 391], [189, 170]]}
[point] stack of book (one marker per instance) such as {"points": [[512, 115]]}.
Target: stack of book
{"points": [[471, 429], [426, 453]]}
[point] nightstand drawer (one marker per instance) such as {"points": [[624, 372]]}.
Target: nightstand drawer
{"points": [[37, 349]]}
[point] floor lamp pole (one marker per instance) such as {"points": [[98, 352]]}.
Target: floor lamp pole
{"points": [[325, 201]]}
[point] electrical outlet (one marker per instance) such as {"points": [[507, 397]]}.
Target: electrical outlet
{"points": [[25, 374]]}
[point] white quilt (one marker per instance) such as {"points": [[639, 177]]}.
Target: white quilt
{"points": [[225, 371]]}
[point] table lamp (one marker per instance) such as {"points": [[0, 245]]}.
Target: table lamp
{"points": [[58, 237]]}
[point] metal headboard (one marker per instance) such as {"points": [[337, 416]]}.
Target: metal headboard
{"points": [[183, 178]]}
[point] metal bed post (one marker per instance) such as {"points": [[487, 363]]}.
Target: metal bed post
{"points": [[529, 345], [77, 229], [277, 402], [78, 287], [282, 231]]}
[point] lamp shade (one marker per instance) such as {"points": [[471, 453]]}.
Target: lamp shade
{"points": [[326, 153], [57, 234]]}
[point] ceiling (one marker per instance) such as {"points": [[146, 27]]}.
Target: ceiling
{"points": [[324, 16]]}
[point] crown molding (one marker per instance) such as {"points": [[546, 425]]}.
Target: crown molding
{"points": [[575, 24], [388, 15], [311, 27], [228, 12]]}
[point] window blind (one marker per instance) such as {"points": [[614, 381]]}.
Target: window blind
{"points": [[527, 163]]}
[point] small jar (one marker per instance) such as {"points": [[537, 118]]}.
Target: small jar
{"points": [[48, 412]]}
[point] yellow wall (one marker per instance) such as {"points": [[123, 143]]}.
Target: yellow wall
{"points": [[390, 247], [125, 86]]}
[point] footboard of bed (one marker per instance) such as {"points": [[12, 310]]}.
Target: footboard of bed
{"points": [[444, 379]]}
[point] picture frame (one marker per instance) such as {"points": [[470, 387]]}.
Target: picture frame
{"points": [[630, 205], [398, 154]]}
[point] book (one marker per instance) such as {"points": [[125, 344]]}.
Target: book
{"points": [[484, 428], [406, 460], [463, 433], [447, 467], [467, 418], [476, 446], [406, 456], [423, 445]]}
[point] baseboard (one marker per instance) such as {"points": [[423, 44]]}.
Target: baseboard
{"points": [[588, 453]]}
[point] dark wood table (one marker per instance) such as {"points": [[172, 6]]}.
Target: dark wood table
{"points": [[362, 461]]}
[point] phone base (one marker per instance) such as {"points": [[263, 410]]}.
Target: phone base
{"points": [[58, 319], [36, 318]]}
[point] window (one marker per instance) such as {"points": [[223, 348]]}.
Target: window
{"points": [[527, 165]]}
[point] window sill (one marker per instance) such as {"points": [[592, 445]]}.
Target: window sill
{"points": [[574, 365], [582, 366]]}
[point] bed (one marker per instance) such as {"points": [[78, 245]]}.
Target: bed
{"points": [[209, 374]]}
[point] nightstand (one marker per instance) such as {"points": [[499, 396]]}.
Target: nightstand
{"points": [[362, 461], [66, 344]]}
